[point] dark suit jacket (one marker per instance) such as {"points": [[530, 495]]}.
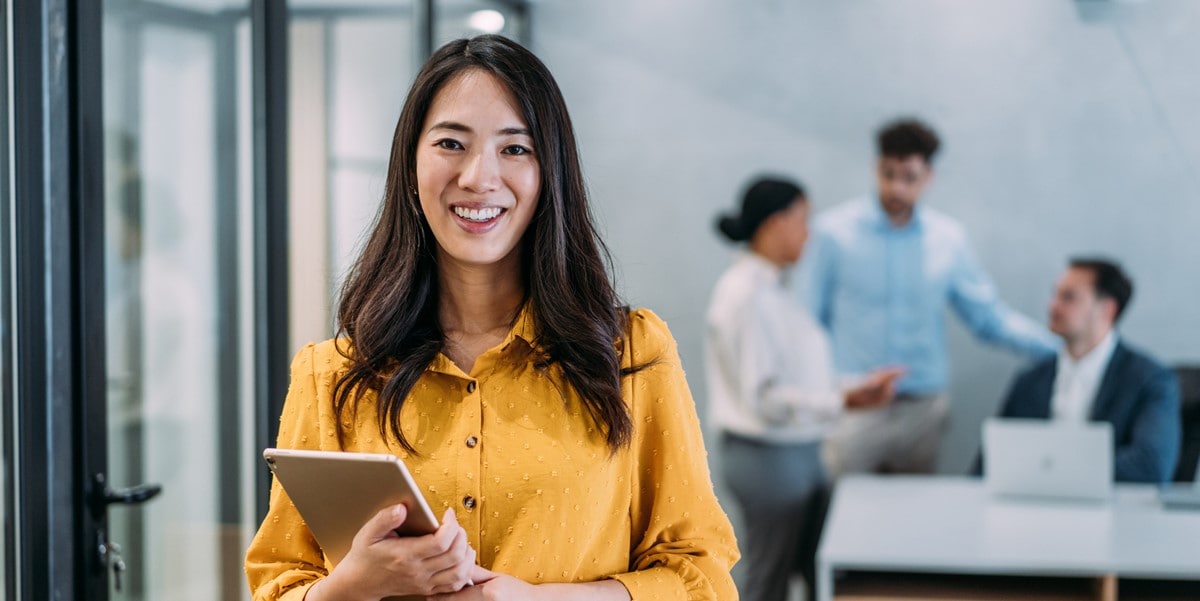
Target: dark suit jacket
{"points": [[1137, 395]]}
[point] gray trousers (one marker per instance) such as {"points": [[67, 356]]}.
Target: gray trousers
{"points": [[904, 437], [783, 493]]}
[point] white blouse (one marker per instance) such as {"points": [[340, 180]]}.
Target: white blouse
{"points": [[769, 364]]}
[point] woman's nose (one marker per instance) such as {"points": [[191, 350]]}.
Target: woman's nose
{"points": [[481, 173]]}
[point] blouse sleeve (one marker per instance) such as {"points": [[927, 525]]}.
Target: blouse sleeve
{"points": [[284, 560], [683, 544]]}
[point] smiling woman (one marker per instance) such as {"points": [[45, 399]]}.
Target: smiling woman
{"points": [[483, 343], [477, 173]]}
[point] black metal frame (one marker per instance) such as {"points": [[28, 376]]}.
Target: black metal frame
{"points": [[427, 32], [269, 21], [229, 248], [8, 533], [87, 168], [58, 235]]}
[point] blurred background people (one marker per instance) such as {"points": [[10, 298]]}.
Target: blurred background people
{"points": [[881, 272], [1098, 377], [773, 390]]}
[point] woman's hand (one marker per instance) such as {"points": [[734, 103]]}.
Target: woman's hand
{"points": [[877, 389], [383, 564], [492, 586]]}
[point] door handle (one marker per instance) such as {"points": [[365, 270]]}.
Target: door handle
{"points": [[133, 495], [103, 495]]}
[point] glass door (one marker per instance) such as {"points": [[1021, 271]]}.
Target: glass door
{"points": [[178, 292]]}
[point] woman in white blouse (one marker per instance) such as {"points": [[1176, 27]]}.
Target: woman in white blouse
{"points": [[773, 391]]}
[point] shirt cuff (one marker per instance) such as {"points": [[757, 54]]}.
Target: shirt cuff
{"points": [[297, 593], [658, 584]]}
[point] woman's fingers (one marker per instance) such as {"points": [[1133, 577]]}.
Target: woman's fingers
{"points": [[382, 525], [459, 552], [480, 574], [452, 566], [457, 575]]}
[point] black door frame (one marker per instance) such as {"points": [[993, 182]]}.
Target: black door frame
{"points": [[58, 236], [269, 40], [7, 448]]}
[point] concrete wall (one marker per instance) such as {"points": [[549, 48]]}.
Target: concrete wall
{"points": [[1069, 127]]}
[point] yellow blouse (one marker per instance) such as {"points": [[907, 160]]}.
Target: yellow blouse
{"points": [[530, 477]]}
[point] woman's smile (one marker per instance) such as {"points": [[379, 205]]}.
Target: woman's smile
{"points": [[477, 219]]}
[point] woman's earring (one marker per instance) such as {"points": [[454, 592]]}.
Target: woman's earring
{"points": [[416, 205]]}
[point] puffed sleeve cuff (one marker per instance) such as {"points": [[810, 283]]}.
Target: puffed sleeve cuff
{"points": [[298, 593], [294, 592], [653, 584]]}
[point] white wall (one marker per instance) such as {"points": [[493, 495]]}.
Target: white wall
{"points": [[1069, 127]]}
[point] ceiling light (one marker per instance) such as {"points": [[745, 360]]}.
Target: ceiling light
{"points": [[487, 21]]}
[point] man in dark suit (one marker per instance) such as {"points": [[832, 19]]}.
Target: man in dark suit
{"points": [[1097, 377]]}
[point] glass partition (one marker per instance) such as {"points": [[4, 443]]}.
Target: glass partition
{"points": [[351, 65], [178, 215]]}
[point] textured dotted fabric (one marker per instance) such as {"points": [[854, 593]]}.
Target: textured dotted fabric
{"points": [[512, 449]]}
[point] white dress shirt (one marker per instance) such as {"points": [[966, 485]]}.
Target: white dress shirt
{"points": [[769, 364], [1076, 382]]}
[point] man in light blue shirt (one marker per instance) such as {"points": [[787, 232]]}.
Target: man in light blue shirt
{"points": [[880, 272]]}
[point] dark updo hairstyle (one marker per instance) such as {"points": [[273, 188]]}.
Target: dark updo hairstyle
{"points": [[764, 197], [389, 303]]}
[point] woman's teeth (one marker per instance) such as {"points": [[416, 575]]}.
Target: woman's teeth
{"points": [[480, 215]]}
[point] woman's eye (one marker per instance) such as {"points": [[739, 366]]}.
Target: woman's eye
{"points": [[517, 150], [448, 144]]}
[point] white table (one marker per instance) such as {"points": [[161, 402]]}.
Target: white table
{"points": [[951, 525]]}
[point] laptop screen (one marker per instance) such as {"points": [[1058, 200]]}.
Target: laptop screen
{"points": [[1046, 458]]}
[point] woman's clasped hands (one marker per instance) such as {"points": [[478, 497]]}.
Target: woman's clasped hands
{"points": [[382, 563]]}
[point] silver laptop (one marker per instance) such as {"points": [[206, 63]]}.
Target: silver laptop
{"points": [[1181, 495], [1048, 459]]}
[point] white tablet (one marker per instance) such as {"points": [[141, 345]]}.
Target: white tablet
{"points": [[336, 493]]}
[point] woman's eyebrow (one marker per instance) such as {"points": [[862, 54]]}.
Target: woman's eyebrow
{"points": [[456, 126], [515, 131], [451, 125]]}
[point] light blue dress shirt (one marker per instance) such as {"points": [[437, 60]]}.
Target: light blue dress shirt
{"points": [[882, 290]]}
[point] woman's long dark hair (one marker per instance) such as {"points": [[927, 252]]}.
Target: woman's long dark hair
{"points": [[389, 304]]}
